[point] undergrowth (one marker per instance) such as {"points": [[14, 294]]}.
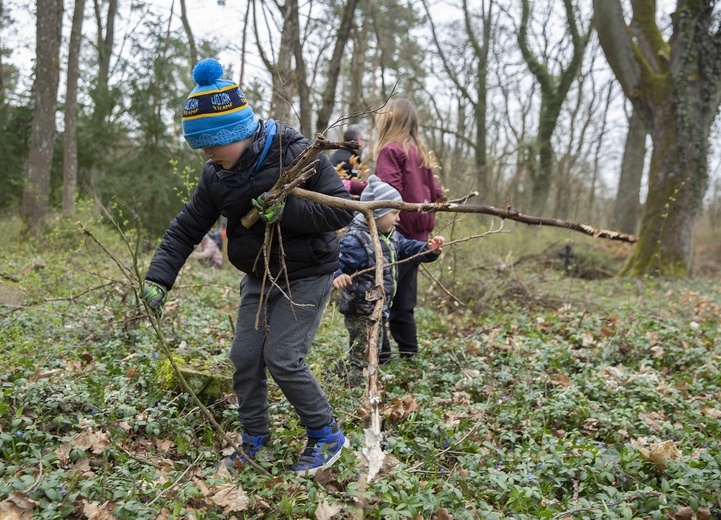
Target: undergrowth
{"points": [[534, 396]]}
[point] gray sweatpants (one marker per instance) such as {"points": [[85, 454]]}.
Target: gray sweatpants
{"points": [[280, 344]]}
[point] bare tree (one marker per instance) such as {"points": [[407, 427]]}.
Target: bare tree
{"points": [[192, 49], [2, 68], [341, 40], [42, 137], [627, 208], [476, 93], [554, 89], [70, 136], [104, 46], [676, 85]]}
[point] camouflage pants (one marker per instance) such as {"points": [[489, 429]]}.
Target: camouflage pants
{"points": [[358, 339]]}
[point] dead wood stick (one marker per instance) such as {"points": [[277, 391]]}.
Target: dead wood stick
{"points": [[302, 167], [448, 207]]}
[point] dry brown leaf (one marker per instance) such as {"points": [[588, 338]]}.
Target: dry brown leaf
{"points": [[703, 513], [17, 507], [325, 511], [401, 408], [711, 412], [561, 379], [658, 352], [97, 442], [587, 339], [231, 497], [442, 514], [607, 331], [163, 445], [685, 513], [95, 511], [62, 452], [658, 452]]}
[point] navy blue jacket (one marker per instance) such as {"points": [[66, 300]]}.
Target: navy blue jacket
{"points": [[308, 230], [356, 254]]}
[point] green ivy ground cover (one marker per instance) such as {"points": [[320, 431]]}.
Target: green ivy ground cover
{"points": [[605, 405]]}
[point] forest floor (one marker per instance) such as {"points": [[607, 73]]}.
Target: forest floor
{"points": [[535, 395]]}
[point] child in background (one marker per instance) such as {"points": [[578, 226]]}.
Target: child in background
{"points": [[245, 157], [357, 254], [208, 250], [403, 161]]}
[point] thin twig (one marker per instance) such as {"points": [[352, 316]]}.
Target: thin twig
{"points": [[175, 483], [155, 323], [601, 506]]}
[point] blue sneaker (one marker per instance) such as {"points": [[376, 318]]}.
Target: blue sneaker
{"points": [[323, 449], [251, 444]]}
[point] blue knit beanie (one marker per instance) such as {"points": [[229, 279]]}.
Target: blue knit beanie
{"points": [[216, 112], [375, 190]]}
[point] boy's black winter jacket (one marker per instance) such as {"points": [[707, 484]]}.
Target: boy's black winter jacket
{"points": [[308, 230]]}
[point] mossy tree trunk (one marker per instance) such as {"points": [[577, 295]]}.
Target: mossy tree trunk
{"points": [[554, 89], [675, 85]]}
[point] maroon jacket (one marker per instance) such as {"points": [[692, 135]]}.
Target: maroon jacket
{"points": [[414, 183]]}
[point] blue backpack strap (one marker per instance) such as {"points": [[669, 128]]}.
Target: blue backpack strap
{"points": [[270, 130]]}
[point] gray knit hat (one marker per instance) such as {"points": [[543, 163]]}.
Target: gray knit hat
{"points": [[379, 190]]}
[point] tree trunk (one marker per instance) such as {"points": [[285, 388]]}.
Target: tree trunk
{"points": [[42, 137], [675, 192], [280, 70], [334, 65], [553, 93], [189, 34], [70, 136], [104, 45], [628, 199], [2, 67], [481, 96], [301, 74], [358, 62], [677, 86]]}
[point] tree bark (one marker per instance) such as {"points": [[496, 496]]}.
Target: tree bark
{"points": [[627, 209], [192, 49], [104, 45], [42, 137], [334, 65], [676, 87], [70, 136], [476, 98], [2, 64], [553, 94], [358, 62], [300, 74]]}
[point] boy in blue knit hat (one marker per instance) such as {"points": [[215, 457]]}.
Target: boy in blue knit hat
{"points": [[357, 254], [245, 157]]}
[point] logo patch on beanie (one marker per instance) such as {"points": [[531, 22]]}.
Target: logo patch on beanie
{"points": [[191, 107], [216, 112], [215, 102]]}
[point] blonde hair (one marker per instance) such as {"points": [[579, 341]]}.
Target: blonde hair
{"points": [[398, 122]]}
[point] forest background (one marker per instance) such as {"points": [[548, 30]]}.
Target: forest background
{"points": [[561, 376], [530, 103]]}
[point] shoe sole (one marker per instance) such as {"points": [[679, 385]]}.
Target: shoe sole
{"points": [[329, 463]]}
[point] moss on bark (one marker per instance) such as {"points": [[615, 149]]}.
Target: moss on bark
{"points": [[208, 379]]}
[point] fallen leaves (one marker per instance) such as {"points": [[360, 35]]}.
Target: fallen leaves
{"points": [[17, 507], [658, 453]]}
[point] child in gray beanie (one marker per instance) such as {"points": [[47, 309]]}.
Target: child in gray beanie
{"points": [[357, 254]]}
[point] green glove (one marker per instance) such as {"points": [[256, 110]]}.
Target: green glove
{"points": [[269, 213], [154, 296]]}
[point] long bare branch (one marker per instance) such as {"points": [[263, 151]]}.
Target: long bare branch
{"points": [[448, 207]]}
